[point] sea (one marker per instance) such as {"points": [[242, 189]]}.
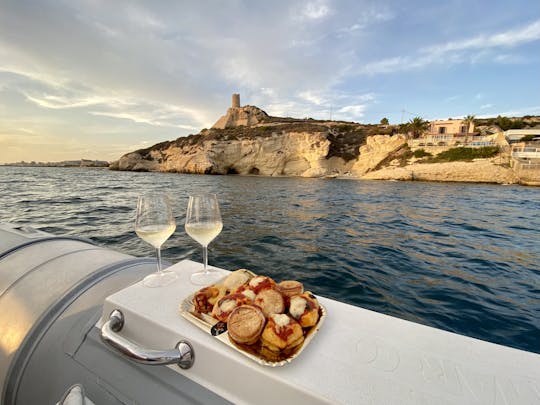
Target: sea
{"points": [[460, 257]]}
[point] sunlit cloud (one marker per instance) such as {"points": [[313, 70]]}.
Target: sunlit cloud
{"points": [[143, 120], [58, 102]]}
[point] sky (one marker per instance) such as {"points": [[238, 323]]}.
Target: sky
{"points": [[97, 79]]}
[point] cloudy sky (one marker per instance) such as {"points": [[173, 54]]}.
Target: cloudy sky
{"points": [[96, 79]]}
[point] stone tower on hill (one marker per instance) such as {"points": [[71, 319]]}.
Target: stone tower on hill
{"points": [[235, 100], [240, 116]]}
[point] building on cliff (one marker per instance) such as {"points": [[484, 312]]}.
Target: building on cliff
{"points": [[451, 127], [450, 133]]}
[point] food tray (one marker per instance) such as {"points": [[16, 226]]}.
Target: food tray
{"points": [[205, 322]]}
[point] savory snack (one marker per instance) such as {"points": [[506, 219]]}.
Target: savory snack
{"points": [[225, 305], [236, 279], [259, 283], [305, 309], [204, 299], [290, 288], [259, 316], [270, 301], [282, 333], [245, 324]]}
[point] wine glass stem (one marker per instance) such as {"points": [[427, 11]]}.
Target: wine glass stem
{"points": [[205, 257], [159, 260]]}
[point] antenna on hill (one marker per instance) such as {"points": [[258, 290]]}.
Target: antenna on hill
{"points": [[330, 112], [403, 112]]}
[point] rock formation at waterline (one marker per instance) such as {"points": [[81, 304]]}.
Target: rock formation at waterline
{"points": [[294, 152], [248, 141]]}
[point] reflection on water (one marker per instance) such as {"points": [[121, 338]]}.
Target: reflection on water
{"points": [[460, 257]]}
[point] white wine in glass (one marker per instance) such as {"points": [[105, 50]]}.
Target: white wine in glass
{"points": [[203, 224], [155, 224]]}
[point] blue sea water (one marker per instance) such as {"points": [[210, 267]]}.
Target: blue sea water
{"points": [[460, 257]]}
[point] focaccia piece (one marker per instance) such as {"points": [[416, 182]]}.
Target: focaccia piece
{"points": [[282, 333], [305, 309], [205, 298]]}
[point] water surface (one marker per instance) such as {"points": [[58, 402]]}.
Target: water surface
{"points": [[460, 257]]}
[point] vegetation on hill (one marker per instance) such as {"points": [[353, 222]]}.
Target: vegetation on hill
{"points": [[415, 126], [464, 154], [402, 156], [345, 137]]}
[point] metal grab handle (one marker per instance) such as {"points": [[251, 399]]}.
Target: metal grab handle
{"points": [[183, 354]]}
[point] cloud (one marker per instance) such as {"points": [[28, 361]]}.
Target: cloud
{"points": [[315, 10], [374, 15], [64, 96], [312, 97], [353, 112], [137, 72], [141, 119], [476, 49], [486, 106]]}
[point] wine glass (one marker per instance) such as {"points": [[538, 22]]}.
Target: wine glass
{"points": [[203, 223], [154, 224]]}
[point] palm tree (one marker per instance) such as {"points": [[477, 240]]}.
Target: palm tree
{"points": [[417, 126], [467, 121]]}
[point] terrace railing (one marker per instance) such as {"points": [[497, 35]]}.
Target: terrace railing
{"points": [[526, 152]]}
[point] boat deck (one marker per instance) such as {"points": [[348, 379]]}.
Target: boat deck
{"points": [[357, 357]]}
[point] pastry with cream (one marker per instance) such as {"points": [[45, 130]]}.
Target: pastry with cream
{"points": [[225, 305], [245, 324], [305, 309], [281, 333], [259, 283], [270, 301], [236, 279]]}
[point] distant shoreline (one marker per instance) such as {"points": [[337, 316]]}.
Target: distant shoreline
{"points": [[64, 163]]}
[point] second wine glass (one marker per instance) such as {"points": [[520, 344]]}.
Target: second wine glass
{"points": [[203, 224]]}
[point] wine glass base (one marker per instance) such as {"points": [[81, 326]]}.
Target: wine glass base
{"points": [[206, 277], [160, 279]]}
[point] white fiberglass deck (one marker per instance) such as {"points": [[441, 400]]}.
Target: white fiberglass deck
{"points": [[358, 357]]}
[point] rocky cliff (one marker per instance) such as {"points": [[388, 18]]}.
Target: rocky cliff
{"points": [[248, 141], [294, 152]]}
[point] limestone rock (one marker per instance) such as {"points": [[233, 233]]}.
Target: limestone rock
{"points": [[288, 154], [238, 116], [376, 149], [479, 171]]}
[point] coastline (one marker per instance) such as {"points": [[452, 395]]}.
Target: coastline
{"points": [[478, 171]]}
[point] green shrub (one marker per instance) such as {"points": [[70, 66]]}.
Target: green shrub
{"points": [[465, 154], [420, 153], [506, 123]]}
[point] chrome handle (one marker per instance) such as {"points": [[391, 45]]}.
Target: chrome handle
{"points": [[183, 354]]}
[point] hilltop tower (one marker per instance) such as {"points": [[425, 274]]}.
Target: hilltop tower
{"points": [[235, 100], [238, 116]]}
